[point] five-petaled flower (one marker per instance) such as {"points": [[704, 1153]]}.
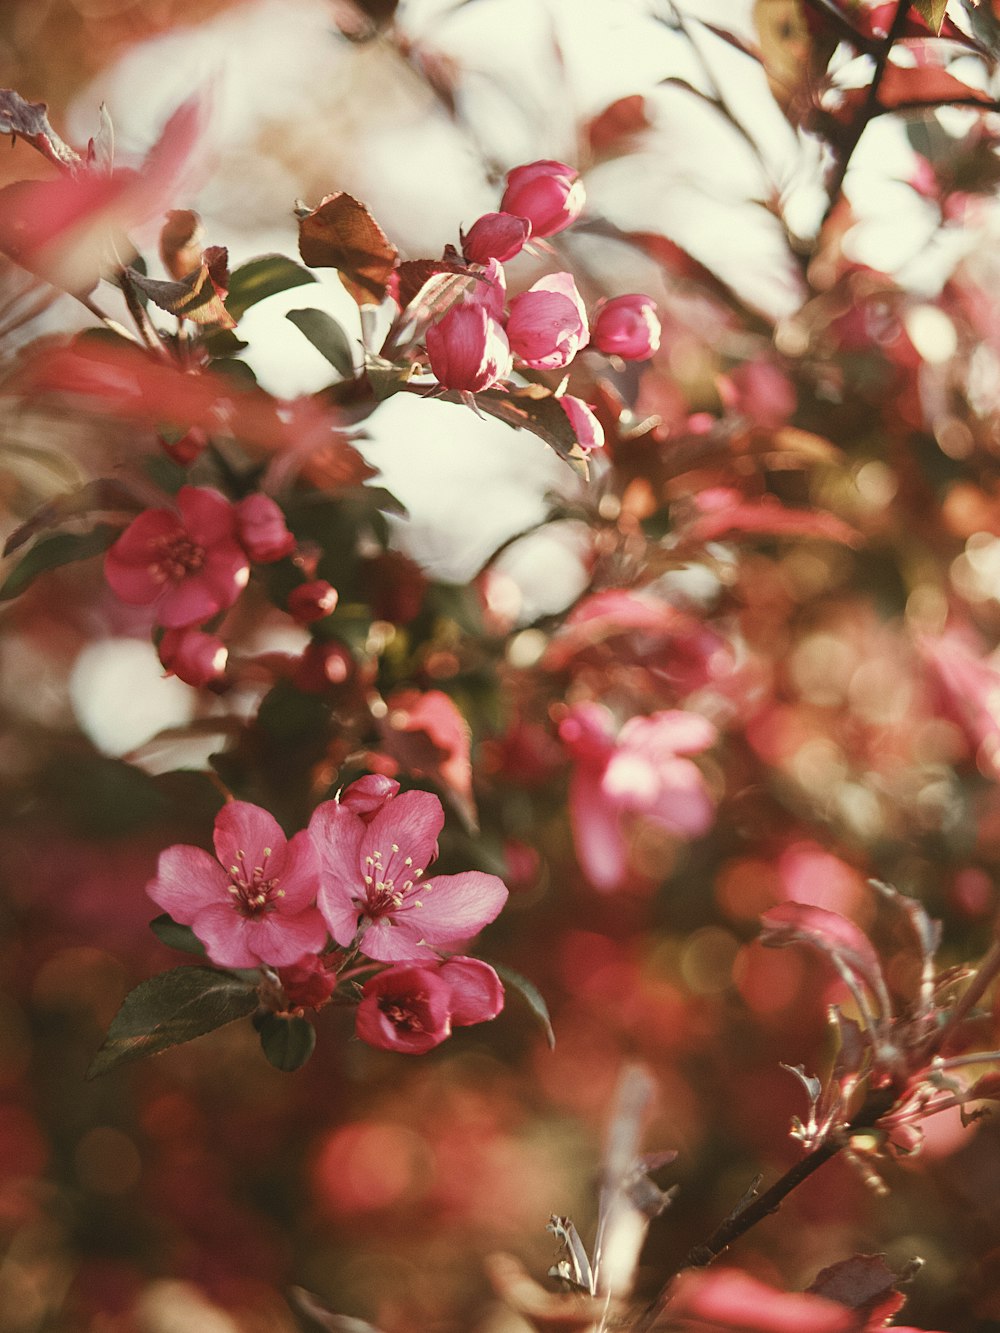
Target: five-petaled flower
{"points": [[373, 880], [414, 1008], [256, 903], [189, 563]]}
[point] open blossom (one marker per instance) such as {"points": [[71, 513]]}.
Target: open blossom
{"points": [[190, 563], [373, 877], [468, 348], [640, 772], [257, 902], [262, 530], [414, 1008], [626, 326], [548, 323], [549, 194]]}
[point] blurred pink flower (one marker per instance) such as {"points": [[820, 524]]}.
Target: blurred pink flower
{"points": [[372, 875], [312, 601], [495, 236], [639, 772], [588, 430], [413, 1009], [190, 564], [548, 323], [468, 349], [194, 657], [258, 905], [549, 194], [626, 326], [262, 530]]}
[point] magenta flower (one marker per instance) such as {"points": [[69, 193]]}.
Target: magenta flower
{"points": [[640, 773], [262, 530], [256, 903], [588, 430], [495, 236], [626, 326], [189, 563], [468, 348], [312, 601], [412, 1009], [548, 323], [372, 878], [549, 194], [192, 656]]}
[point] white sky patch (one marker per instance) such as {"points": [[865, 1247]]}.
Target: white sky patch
{"points": [[121, 697]]}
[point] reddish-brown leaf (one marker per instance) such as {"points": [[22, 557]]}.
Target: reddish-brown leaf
{"points": [[864, 1283], [925, 85], [342, 234], [198, 297], [832, 934], [610, 132], [28, 121]]}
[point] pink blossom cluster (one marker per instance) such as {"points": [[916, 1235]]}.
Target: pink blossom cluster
{"points": [[358, 873], [192, 562], [476, 343]]}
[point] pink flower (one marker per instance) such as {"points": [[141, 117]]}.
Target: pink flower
{"points": [[312, 601], [367, 796], [258, 905], [307, 983], [497, 236], [412, 1009], [468, 349], [190, 564], [372, 876], [626, 326], [549, 194], [641, 772], [588, 430], [194, 657], [548, 323], [262, 530]]}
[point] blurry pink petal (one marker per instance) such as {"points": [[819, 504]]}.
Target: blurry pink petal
{"points": [[477, 993], [263, 532], [207, 516], [671, 731], [197, 659], [597, 835], [726, 1299], [588, 430]]}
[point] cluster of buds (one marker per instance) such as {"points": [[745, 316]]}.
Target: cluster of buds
{"points": [[476, 344]]}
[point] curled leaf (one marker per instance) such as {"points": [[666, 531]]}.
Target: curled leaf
{"points": [[342, 234]]}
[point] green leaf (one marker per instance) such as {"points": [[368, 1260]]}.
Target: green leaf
{"points": [[287, 1042], [932, 11], [327, 337], [171, 1008], [62, 549], [175, 936], [533, 996], [261, 278]]}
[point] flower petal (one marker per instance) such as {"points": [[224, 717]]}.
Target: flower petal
{"points": [[454, 907], [208, 516], [410, 823], [600, 847], [187, 880], [244, 831], [298, 871], [399, 940], [476, 991], [336, 833]]}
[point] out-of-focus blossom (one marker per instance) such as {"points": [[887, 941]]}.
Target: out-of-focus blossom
{"points": [[189, 446], [262, 530], [548, 323], [322, 665], [626, 326], [312, 601], [759, 391], [373, 880], [468, 349], [256, 903], [307, 983], [549, 194], [192, 656], [190, 564], [640, 772], [497, 236], [588, 430], [413, 1009]]}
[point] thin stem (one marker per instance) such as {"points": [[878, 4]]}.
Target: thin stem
{"points": [[741, 1220], [870, 108]]}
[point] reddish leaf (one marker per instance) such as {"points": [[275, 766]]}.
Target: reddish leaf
{"points": [[833, 934], [413, 274], [734, 1302], [426, 733], [609, 132], [198, 297], [766, 517], [28, 121], [342, 234], [926, 86], [864, 1283]]}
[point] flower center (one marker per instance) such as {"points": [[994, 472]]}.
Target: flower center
{"points": [[403, 1018], [253, 891], [391, 883], [175, 556]]}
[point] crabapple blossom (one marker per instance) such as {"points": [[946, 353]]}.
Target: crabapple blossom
{"points": [[367, 796], [547, 325], [255, 903], [262, 530], [373, 880], [413, 1008], [468, 349], [588, 430], [190, 563], [312, 601], [641, 772], [192, 656], [626, 326], [307, 984], [497, 236], [549, 194]]}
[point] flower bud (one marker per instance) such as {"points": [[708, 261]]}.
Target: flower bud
{"points": [[549, 194], [187, 448], [548, 323], [626, 326], [307, 984], [368, 795], [468, 349], [588, 430], [495, 236], [193, 656], [262, 530], [310, 602]]}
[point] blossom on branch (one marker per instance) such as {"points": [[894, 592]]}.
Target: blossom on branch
{"points": [[413, 1009]]}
